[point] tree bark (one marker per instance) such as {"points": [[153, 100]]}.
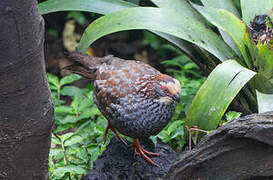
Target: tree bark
{"points": [[26, 109], [241, 149]]}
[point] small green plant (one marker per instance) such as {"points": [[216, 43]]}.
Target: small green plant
{"points": [[77, 139]]}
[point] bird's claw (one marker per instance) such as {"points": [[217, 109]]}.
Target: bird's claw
{"points": [[142, 152]]}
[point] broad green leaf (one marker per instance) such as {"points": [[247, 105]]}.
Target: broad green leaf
{"points": [[69, 168], [180, 6], [232, 115], [215, 95], [66, 136], [97, 6], [229, 6], [228, 22], [71, 91], [85, 103], [252, 8], [157, 19], [64, 109], [223, 4], [52, 79], [69, 79], [265, 102], [88, 113], [73, 140], [72, 5], [68, 119], [265, 59], [55, 151]]}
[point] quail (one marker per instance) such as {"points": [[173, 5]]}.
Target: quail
{"points": [[137, 100]]}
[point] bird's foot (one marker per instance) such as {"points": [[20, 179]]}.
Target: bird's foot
{"points": [[142, 152], [116, 133]]}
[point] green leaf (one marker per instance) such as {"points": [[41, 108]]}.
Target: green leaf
{"points": [[88, 113], [60, 171], [55, 140], [101, 6], [229, 6], [52, 79], [232, 115], [71, 91], [157, 19], [215, 95], [85, 103], [228, 22], [252, 8], [223, 4], [56, 152], [69, 79], [265, 102], [73, 140], [265, 59], [181, 7], [64, 109], [67, 136], [68, 119]]}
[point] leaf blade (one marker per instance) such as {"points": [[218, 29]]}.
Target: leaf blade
{"points": [[228, 22], [217, 92], [100, 7], [265, 102], [139, 18]]}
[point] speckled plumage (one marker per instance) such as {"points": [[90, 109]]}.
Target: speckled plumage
{"points": [[137, 100], [123, 92]]}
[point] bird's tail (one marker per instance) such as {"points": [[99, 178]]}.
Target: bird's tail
{"points": [[85, 65]]}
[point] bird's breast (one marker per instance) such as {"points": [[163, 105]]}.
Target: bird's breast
{"points": [[141, 119]]}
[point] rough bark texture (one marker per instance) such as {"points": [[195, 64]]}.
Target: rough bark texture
{"points": [[242, 149], [118, 163], [26, 110]]}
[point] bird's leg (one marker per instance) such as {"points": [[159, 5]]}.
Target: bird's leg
{"points": [[194, 129], [116, 133], [142, 152]]}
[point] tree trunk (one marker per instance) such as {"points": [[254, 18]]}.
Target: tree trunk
{"points": [[26, 109]]}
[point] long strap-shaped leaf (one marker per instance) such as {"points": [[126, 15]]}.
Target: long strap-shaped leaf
{"points": [[158, 19], [264, 102], [109, 6], [227, 21], [97, 6], [229, 6], [216, 93]]}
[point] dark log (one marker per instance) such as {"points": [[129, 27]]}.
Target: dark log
{"points": [[118, 163], [26, 109], [241, 149]]}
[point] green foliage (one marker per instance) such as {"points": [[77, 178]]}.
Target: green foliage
{"points": [[77, 139]]}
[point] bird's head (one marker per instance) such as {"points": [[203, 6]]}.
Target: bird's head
{"points": [[167, 89]]}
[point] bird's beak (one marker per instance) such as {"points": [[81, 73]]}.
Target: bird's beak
{"points": [[176, 97]]}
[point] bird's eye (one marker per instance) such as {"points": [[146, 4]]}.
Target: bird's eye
{"points": [[164, 89]]}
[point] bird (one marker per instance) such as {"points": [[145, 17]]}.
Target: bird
{"points": [[137, 100]]}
